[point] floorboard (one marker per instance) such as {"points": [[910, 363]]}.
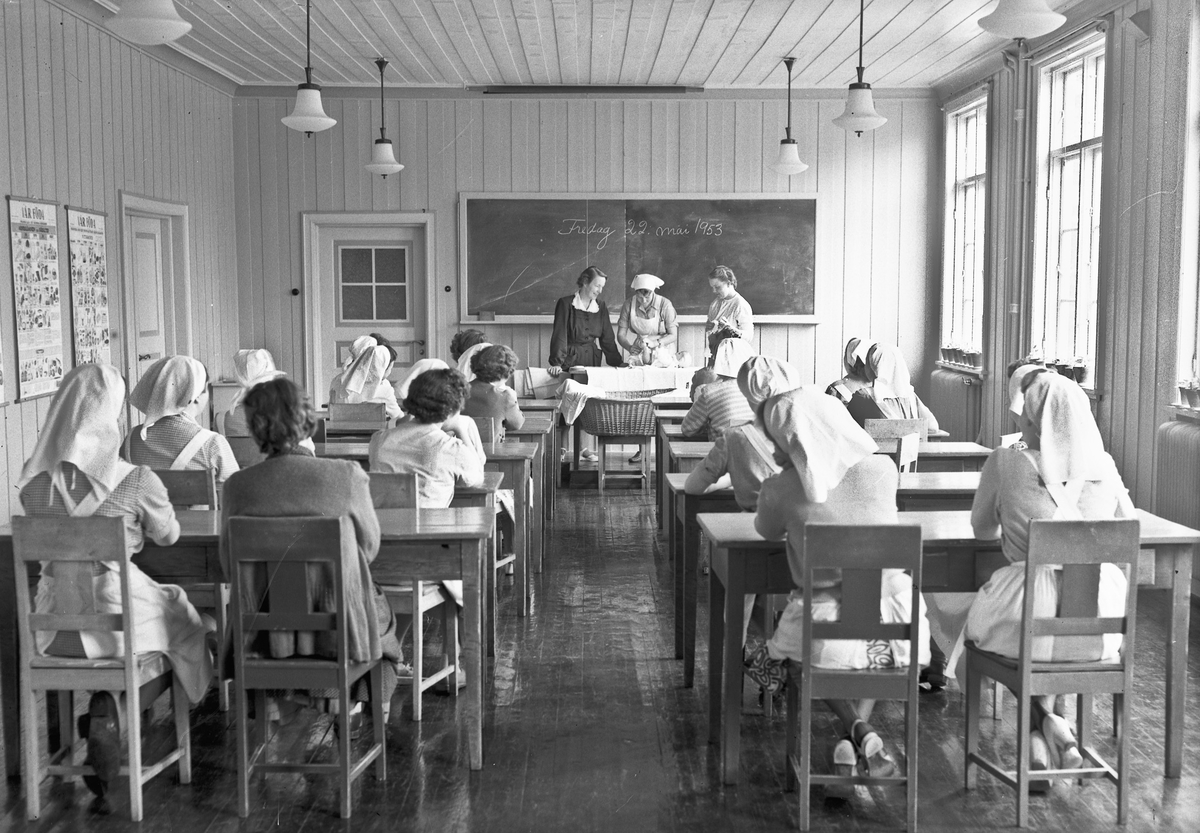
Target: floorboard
{"points": [[588, 727]]}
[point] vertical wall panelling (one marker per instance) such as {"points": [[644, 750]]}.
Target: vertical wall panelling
{"points": [[885, 221]]}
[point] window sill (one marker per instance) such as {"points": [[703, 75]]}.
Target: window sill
{"points": [[964, 369], [1184, 413]]}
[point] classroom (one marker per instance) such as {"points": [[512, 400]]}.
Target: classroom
{"points": [[663, 303]]}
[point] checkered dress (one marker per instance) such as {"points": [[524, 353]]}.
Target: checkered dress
{"points": [[167, 437]]}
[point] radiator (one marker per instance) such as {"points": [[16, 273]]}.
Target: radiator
{"points": [[956, 400], [1177, 486]]}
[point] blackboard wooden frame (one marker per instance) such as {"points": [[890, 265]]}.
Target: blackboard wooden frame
{"points": [[465, 197]]}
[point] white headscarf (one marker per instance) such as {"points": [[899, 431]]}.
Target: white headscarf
{"points": [[366, 371], [359, 346], [1016, 399], [854, 357], [819, 438], [416, 370], [732, 353], [167, 388], [83, 427], [889, 373], [464, 361], [250, 367], [1071, 448], [646, 281], [764, 377]]}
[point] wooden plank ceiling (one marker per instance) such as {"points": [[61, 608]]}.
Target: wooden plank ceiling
{"points": [[716, 44]]}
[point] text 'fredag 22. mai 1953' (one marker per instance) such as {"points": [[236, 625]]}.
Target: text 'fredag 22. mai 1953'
{"points": [[575, 226]]}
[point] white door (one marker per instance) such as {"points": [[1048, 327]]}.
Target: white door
{"points": [[150, 265], [369, 279]]}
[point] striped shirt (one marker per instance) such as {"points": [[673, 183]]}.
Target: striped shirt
{"points": [[718, 407], [167, 437]]}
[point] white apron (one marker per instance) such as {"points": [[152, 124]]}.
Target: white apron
{"points": [[164, 618]]}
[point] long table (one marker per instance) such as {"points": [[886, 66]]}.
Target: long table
{"points": [[427, 544], [955, 561]]}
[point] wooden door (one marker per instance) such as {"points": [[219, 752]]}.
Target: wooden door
{"points": [[150, 263]]}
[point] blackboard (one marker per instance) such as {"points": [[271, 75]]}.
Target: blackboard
{"points": [[520, 254]]}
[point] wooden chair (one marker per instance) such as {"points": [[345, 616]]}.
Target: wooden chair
{"points": [[907, 433], [491, 429], [402, 491], [72, 546], [246, 451], [861, 552], [285, 548], [1080, 547], [358, 420], [187, 489]]}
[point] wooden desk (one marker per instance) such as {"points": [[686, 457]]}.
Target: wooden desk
{"points": [[516, 461], [943, 456], [676, 456], [666, 428], [428, 544], [541, 430], [931, 490], [485, 495], [744, 562], [673, 400]]}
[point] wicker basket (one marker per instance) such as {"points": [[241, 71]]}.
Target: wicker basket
{"points": [[625, 413]]}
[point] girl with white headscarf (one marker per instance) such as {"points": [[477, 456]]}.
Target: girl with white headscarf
{"points": [[831, 474], [854, 360], [172, 393], [890, 394], [647, 325], [364, 377], [250, 367], [75, 471], [1064, 472]]}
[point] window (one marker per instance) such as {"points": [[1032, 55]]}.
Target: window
{"points": [[1070, 131], [966, 195], [372, 284]]}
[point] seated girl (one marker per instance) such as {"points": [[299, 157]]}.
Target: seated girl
{"points": [[75, 471], [172, 393], [489, 394], [292, 482], [890, 394], [720, 405], [250, 367], [1062, 472], [831, 474], [854, 360], [463, 348], [364, 377]]}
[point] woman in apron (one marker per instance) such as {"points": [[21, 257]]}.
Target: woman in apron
{"points": [[75, 471], [647, 326], [1063, 472], [172, 393]]}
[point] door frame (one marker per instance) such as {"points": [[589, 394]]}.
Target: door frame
{"points": [[177, 298], [313, 224]]}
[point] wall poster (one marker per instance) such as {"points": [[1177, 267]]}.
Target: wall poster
{"points": [[38, 307], [89, 285]]}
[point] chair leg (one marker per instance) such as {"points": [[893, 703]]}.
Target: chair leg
{"points": [[805, 784], [911, 742], [768, 605], [1123, 757], [378, 721], [183, 729], [32, 771], [242, 705], [974, 695], [450, 644], [601, 462], [262, 718], [343, 744], [66, 720], [1024, 725], [221, 594], [793, 705], [1083, 723], [133, 723], [418, 660], [997, 699], [1117, 713]]}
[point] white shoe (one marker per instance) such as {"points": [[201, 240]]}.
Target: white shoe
{"points": [[589, 455]]}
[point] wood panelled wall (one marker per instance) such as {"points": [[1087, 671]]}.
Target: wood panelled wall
{"points": [[877, 235], [1141, 238], [85, 116]]}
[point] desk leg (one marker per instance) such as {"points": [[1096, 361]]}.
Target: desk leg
{"points": [[1177, 656], [577, 436], [716, 648], [473, 614], [660, 486], [536, 516], [690, 543], [10, 694], [675, 548], [731, 691], [524, 536]]}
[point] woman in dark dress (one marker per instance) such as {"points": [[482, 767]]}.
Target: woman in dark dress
{"points": [[583, 331]]}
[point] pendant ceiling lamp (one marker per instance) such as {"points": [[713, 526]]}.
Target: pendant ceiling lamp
{"points": [[860, 112], [789, 162], [308, 114], [383, 159], [1021, 19], [148, 22]]}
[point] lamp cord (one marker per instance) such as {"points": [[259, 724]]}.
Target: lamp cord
{"points": [[308, 41], [862, 7]]}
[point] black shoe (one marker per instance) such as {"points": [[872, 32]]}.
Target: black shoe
{"points": [[933, 678], [103, 733]]}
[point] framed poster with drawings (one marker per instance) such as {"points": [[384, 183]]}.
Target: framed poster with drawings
{"points": [[88, 261], [37, 305]]}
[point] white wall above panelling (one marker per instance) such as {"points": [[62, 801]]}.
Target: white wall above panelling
{"points": [[876, 217]]}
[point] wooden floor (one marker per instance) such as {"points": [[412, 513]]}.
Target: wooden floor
{"points": [[588, 727]]}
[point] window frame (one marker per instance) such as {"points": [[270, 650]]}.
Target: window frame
{"points": [[338, 297]]}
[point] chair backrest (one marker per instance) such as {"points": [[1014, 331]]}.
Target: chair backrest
{"points": [[70, 547], [392, 490], [491, 429], [1080, 547], [907, 449], [190, 487], [886, 429], [355, 418], [245, 451], [286, 548], [861, 552]]}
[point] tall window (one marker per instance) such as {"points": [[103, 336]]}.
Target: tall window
{"points": [[1067, 222], [966, 194]]}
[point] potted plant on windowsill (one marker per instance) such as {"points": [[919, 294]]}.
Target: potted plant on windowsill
{"points": [[1079, 369], [973, 357], [1189, 393]]}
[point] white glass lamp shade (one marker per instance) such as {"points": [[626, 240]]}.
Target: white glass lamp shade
{"points": [[308, 114], [860, 112], [788, 161], [383, 159], [1021, 19], [148, 22]]}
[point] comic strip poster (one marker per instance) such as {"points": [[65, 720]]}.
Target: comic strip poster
{"points": [[38, 307], [89, 285]]}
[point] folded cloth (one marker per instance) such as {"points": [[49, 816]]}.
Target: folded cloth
{"points": [[536, 382], [616, 378], [574, 397]]}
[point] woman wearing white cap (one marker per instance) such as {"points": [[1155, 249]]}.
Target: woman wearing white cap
{"points": [[647, 322]]}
